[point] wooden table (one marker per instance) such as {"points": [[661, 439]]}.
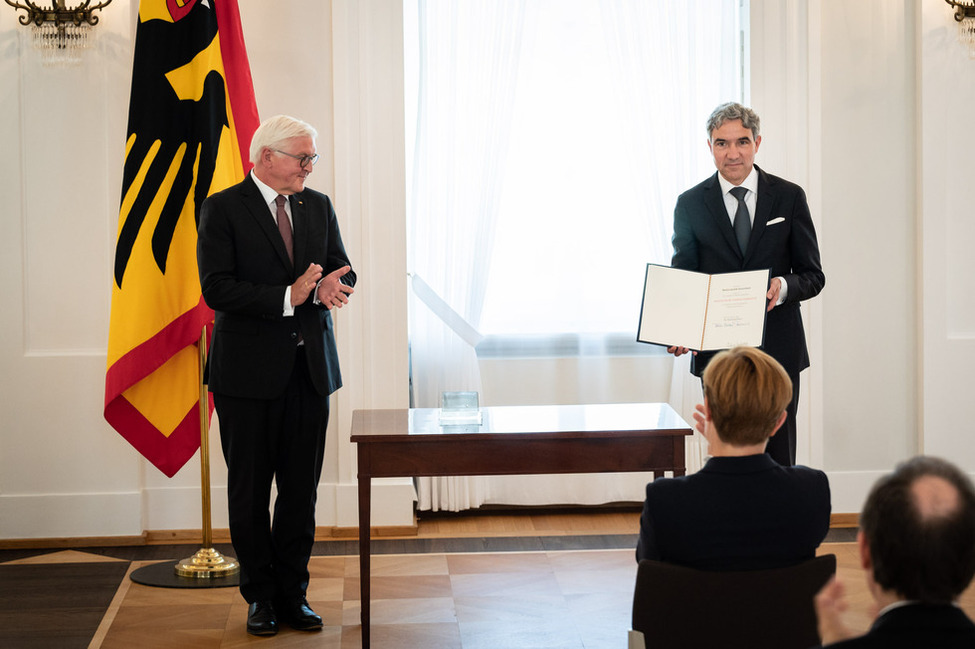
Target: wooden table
{"points": [[510, 440]]}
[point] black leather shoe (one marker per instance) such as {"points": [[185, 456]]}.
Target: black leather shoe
{"points": [[299, 615], [261, 619]]}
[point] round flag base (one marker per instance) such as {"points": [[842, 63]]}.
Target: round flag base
{"points": [[163, 575]]}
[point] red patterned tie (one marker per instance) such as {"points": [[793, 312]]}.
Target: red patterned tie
{"points": [[284, 227]]}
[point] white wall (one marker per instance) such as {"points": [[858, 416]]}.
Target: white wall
{"points": [[863, 103], [869, 173], [946, 338], [62, 137], [63, 471]]}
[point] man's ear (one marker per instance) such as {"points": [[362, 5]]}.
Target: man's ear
{"points": [[866, 562]]}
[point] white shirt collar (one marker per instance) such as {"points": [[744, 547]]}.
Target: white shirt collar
{"points": [[266, 192], [897, 604], [904, 602], [750, 183]]}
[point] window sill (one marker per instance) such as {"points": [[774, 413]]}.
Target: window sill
{"points": [[564, 346]]}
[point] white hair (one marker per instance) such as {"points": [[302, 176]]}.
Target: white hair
{"points": [[273, 131]]}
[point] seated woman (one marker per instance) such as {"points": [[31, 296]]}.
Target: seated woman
{"points": [[742, 510]]}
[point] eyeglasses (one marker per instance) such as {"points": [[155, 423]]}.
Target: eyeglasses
{"points": [[303, 160]]}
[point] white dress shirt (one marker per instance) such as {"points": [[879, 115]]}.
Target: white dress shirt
{"points": [[270, 196], [751, 201]]}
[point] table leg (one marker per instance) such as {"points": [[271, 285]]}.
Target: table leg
{"points": [[365, 488], [680, 461]]}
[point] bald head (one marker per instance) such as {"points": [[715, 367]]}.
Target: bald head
{"points": [[919, 524], [935, 498]]}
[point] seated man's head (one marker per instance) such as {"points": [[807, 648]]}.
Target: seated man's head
{"points": [[917, 532], [746, 393]]}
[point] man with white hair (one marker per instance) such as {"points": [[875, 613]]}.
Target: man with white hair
{"points": [[272, 264]]}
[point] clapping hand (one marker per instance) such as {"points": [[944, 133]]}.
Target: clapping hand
{"points": [[331, 290], [305, 284]]}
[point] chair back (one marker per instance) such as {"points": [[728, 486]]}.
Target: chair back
{"points": [[680, 607]]}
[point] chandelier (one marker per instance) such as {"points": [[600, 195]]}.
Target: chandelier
{"points": [[60, 32], [965, 16]]}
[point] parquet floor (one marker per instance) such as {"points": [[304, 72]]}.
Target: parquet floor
{"points": [[510, 581]]}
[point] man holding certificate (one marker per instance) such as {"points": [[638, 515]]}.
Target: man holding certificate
{"points": [[743, 219]]}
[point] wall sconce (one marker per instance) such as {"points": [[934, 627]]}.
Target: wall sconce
{"points": [[965, 15], [60, 32]]}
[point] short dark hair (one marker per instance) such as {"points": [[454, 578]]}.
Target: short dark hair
{"points": [[921, 555]]}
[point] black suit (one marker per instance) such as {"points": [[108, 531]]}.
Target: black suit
{"points": [[916, 626], [271, 393], [736, 513], [782, 240]]}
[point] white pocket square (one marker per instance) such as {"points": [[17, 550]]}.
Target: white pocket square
{"points": [[774, 221]]}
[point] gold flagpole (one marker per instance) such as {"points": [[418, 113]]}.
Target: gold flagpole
{"points": [[207, 562]]}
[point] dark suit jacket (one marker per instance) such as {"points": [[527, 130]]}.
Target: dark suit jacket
{"points": [[244, 271], [916, 626], [783, 240], [736, 513]]}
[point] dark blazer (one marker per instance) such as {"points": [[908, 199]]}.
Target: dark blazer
{"points": [[916, 626], [736, 513], [244, 271], [783, 240]]}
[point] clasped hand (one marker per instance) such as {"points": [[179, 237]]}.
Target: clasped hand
{"points": [[331, 291]]}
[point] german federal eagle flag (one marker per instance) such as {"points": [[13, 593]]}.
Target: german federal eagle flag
{"points": [[191, 117]]}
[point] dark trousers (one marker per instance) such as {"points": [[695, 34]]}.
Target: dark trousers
{"points": [[280, 439], [782, 445]]}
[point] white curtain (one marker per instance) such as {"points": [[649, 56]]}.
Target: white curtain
{"points": [[685, 394], [672, 67], [466, 67], [670, 63]]}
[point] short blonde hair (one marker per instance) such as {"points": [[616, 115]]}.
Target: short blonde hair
{"points": [[747, 391], [273, 131]]}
